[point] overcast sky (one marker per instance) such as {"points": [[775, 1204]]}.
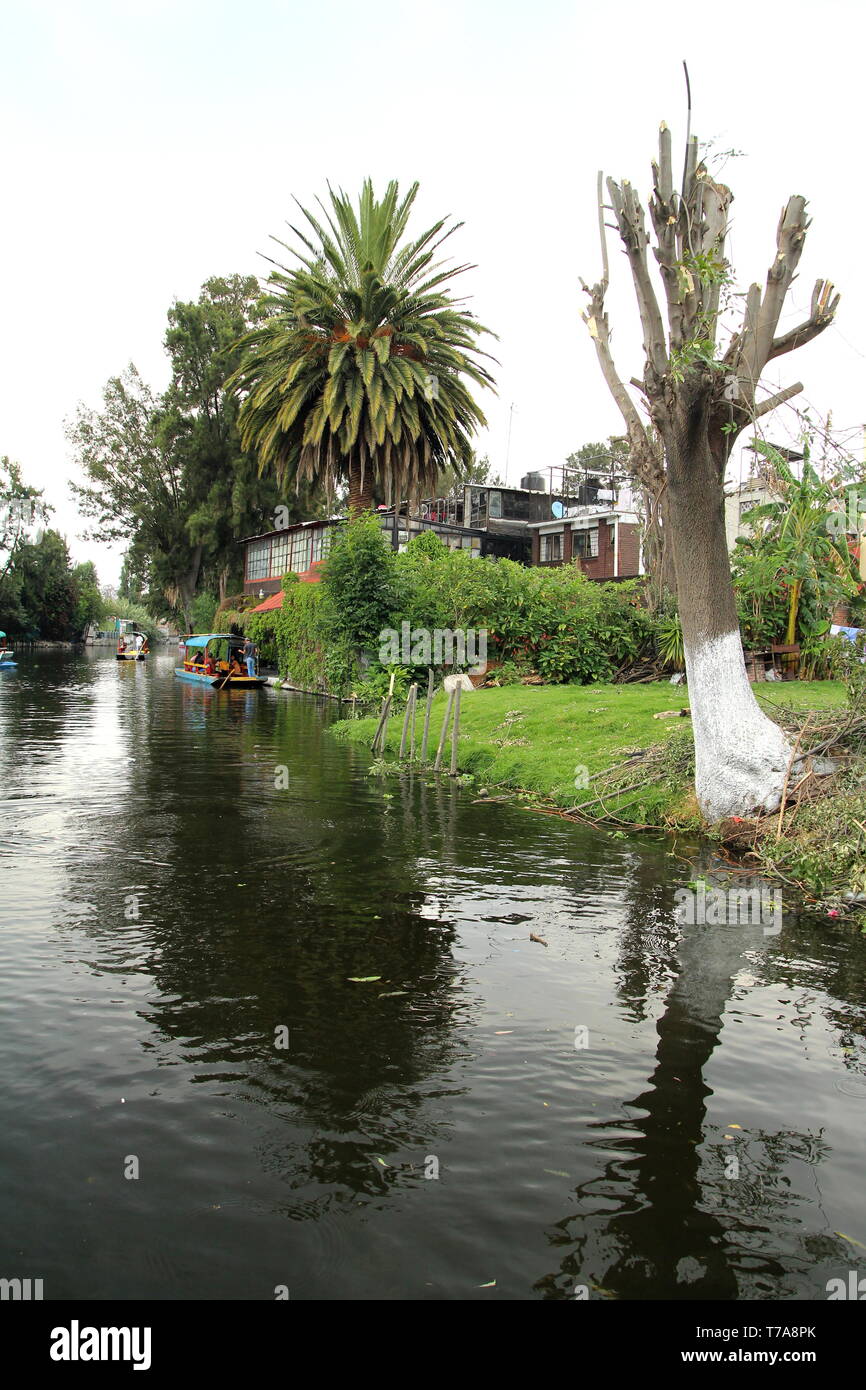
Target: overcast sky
{"points": [[150, 144]]}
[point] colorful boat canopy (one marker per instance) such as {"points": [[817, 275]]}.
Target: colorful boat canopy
{"points": [[2, 634], [201, 639]]}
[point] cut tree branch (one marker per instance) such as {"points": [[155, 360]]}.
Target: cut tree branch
{"points": [[823, 311], [633, 234], [779, 399]]}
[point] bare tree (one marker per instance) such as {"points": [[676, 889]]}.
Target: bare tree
{"points": [[695, 402]]}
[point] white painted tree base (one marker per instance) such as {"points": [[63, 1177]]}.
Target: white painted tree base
{"points": [[741, 756]]}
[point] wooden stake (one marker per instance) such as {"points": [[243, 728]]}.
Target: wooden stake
{"points": [[406, 717], [455, 731], [427, 714], [413, 694], [438, 762], [383, 733], [382, 711]]}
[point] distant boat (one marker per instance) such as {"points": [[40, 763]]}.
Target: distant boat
{"points": [[132, 647], [6, 654], [208, 659]]}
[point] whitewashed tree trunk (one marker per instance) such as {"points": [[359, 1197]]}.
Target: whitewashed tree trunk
{"points": [[741, 756], [698, 400]]}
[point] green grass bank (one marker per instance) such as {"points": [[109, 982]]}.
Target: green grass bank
{"points": [[600, 747]]}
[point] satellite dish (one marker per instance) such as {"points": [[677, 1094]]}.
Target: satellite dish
{"points": [[558, 510]]}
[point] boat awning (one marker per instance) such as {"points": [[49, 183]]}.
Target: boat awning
{"points": [[201, 639], [2, 634]]}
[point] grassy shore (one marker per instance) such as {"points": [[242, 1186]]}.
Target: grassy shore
{"points": [[600, 747], [539, 739]]}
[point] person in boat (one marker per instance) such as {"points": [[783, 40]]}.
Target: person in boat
{"points": [[236, 669], [250, 656], [210, 665], [121, 646]]}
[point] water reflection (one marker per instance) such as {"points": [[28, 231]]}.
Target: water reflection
{"points": [[176, 902]]}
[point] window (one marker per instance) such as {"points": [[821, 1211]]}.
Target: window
{"points": [[517, 507], [279, 554], [584, 544], [318, 536], [258, 560], [551, 547], [478, 507], [494, 504], [300, 552]]}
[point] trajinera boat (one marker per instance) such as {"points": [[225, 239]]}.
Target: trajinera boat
{"points": [[131, 644], [6, 654], [132, 648], [215, 658]]}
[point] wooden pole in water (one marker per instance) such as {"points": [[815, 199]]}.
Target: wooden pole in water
{"points": [[382, 731], [385, 702], [438, 763], [406, 717], [455, 731], [414, 694], [427, 714]]}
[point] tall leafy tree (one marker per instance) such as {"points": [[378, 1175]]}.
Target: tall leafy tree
{"points": [[89, 606], [38, 593], [21, 507], [136, 489], [362, 370], [229, 498], [167, 473]]}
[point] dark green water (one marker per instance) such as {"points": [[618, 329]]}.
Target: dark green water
{"points": [[153, 1036]]}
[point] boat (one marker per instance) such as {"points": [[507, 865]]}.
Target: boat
{"points": [[207, 660], [7, 661], [132, 644]]}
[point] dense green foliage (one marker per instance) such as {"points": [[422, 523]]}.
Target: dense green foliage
{"points": [[554, 622], [204, 607], [42, 596], [38, 595], [167, 473], [792, 571], [120, 607], [89, 606], [293, 637]]}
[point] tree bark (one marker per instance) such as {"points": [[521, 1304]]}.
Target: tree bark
{"points": [[741, 756], [360, 487], [656, 542]]}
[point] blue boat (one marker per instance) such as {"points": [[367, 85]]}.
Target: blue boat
{"points": [[6, 655], [215, 659]]}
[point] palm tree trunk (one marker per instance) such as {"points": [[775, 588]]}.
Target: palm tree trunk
{"points": [[741, 756], [360, 493]]}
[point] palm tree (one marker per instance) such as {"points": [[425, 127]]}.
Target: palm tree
{"points": [[808, 559], [358, 373]]}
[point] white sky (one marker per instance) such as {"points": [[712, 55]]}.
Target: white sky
{"points": [[150, 144]]}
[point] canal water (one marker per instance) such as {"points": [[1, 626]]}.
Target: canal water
{"points": [[269, 1023]]}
